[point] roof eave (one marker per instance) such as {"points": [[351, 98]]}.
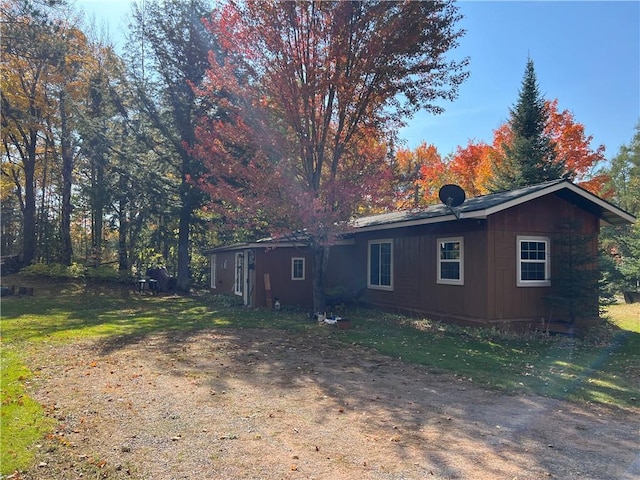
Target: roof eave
{"points": [[408, 223], [606, 211], [269, 245]]}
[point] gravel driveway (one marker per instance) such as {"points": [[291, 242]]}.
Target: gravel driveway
{"points": [[261, 404]]}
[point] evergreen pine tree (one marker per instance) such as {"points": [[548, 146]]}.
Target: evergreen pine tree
{"points": [[169, 53], [575, 279], [621, 244], [530, 157]]}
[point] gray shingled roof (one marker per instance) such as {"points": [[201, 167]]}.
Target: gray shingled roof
{"points": [[477, 207], [480, 207]]}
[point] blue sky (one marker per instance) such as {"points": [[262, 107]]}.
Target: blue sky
{"points": [[586, 54]]}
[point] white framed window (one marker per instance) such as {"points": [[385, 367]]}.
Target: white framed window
{"points": [[213, 262], [380, 265], [533, 261], [451, 261], [238, 287], [297, 268]]}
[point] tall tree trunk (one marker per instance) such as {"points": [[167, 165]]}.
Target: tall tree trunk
{"points": [[134, 227], [43, 213], [319, 263], [123, 257], [183, 280], [97, 210], [123, 227], [29, 206], [66, 250]]}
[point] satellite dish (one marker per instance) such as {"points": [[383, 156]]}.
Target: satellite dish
{"points": [[451, 195]]}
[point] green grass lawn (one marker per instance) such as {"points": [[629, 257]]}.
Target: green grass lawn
{"points": [[601, 368]]}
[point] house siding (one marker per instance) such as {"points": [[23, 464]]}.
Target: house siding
{"points": [[415, 263], [345, 272], [541, 217], [490, 292], [225, 273], [276, 263]]}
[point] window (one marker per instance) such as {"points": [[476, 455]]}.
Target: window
{"points": [[297, 269], [533, 262], [380, 265], [239, 280], [213, 271], [450, 261]]}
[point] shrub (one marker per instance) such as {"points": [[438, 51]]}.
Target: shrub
{"points": [[52, 270], [226, 300], [103, 272], [76, 271]]}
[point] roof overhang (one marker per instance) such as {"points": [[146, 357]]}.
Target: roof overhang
{"points": [[474, 209], [269, 245], [570, 192], [406, 223]]}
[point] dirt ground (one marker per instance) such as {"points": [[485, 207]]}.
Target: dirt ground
{"points": [[256, 404]]}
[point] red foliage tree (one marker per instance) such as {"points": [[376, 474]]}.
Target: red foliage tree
{"points": [[419, 175], [575, 148], [471, 166], [303, 100]]}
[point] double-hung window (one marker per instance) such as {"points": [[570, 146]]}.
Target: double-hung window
{"points": [[380, 265], [451, 261], [533, 261], [297, 268]]}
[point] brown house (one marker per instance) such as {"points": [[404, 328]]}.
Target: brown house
{"points": [[511, 257]]}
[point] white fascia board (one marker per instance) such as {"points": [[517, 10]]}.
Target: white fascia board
{"points": [[546, 191], [602, 203]]}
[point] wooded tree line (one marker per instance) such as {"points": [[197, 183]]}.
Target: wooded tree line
{"points": [[247, 119]]}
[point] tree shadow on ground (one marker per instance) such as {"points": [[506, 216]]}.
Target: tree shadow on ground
{"points": [[285, 367], [426, 422]]}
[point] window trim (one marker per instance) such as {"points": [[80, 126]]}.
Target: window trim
{"points": [[460, 261], [369, 284], [213, 266], [293, 270], [239, 279], [519, 261]]}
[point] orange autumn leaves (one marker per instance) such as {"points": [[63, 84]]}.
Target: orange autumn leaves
{"points": [[421, 172]]}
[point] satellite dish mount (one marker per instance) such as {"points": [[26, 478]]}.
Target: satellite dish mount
{"points": [[452, 196]]}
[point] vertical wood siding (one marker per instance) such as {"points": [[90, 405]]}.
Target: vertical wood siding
{"points": [[489, 293], [415, 271], [225, 273], [540, 217], [277, 263]]}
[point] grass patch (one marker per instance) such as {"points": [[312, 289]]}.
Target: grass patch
{"points": [[22, 419], [70, 312], [602, 367]]}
